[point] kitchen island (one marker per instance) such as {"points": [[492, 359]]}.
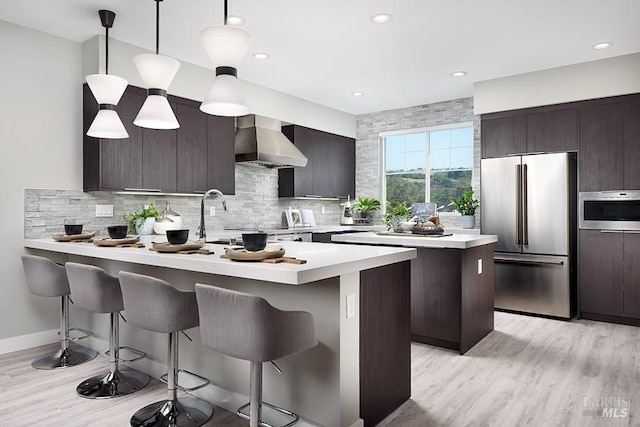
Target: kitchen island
{"points": [[360, 371], [451, 285]]}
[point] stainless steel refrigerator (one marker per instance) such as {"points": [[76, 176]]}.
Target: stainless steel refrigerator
{"points": [[530, 202]]}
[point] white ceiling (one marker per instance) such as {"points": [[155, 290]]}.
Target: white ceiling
{"points": [[323, 50]]}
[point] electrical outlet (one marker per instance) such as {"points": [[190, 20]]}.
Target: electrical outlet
{"points": [[212, 211], [322, 209], [479, 265], [351, 306], [104, 211]]}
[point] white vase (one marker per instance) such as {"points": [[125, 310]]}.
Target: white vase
{"points": [[145, 226], [468, 221]]}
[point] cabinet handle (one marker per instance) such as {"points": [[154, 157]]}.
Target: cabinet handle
{"points": [[612, 231], [527, 261], [312, 195], [631, 231], [150, 190]]}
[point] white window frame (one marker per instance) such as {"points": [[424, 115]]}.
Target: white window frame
{"points": [[382, 145]]}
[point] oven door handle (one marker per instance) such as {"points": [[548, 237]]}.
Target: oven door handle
{"points": [[526, 261]]}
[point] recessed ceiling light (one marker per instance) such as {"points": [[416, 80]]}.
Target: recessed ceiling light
{"points": [[261, 56], [458, 74], [602, 45], [236, 21], [356, 94], [380, 18]]}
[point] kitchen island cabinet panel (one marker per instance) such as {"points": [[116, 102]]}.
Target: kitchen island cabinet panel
{"points": [[601, 151], [552, 131], [503, 136], [632, 146], [601, 273]]}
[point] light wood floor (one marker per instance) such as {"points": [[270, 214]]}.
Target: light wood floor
{"points": [[528, 372], [30, 397]]}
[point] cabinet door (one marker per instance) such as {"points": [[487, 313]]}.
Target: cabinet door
{"points": [[159, 164], [552, 131], [221, 154], [341, 164], [632, 275], [632, 146], [121, 159], [600, 268], [191, 149], [306, 141], [503, 136], [601, 151]]}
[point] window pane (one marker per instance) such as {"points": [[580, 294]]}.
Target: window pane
{"points": [[439, 139], [405, 188], [394, 153], [415, 161], [445, 185], [439, 159], [462, 137], [461, 158], [416, 142]]}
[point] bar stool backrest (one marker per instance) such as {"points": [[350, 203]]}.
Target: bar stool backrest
{"points": [[247, 327], [93, 289], [45, 277], [155, 305]]}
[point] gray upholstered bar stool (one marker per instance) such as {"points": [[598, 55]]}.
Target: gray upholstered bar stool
{"points": [[155, 305], [48, 279], [94, 290], [248, 327]]}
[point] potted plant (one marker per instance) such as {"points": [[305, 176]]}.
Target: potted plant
{"points": [[466, 205], [396, 215], [142, 221], [366, 206]]}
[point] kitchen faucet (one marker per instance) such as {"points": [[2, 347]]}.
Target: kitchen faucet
{"points": [[202, 234]]}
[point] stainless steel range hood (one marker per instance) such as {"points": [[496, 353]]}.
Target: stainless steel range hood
{"points": [[259, 141]]}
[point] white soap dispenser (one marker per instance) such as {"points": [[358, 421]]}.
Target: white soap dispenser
{"points": [[347, 213]]}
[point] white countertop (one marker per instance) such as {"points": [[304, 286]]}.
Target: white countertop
{"points": [[455, 241], [324, 260]]}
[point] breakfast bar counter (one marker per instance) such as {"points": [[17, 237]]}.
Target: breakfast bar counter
{"points": [[357, 375]]}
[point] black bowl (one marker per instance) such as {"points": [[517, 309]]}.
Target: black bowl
{"points": [[177, 237], [118, 231], [254, 241], [71, 229]]}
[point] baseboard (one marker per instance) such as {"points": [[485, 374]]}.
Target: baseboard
{"points": [[24, 342], [212, 393]]}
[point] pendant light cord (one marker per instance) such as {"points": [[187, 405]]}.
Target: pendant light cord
{"points": [[106, 67], [158, 26], [225, 12]]}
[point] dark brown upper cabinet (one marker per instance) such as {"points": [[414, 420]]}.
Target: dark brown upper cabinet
{"points": [[552, 131], [503, 136], [632, 146], [330, 171], [191, 159]]}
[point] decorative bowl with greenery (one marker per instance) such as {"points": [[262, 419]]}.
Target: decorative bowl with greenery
{"points": [[396, 215], [366, 206], [138, 220]]}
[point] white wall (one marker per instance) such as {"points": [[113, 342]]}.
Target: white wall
{"points": [[598, 79], [193, 82], [40, 131]]}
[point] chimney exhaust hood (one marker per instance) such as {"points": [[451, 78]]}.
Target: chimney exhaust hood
{"points": [[259, 141]]}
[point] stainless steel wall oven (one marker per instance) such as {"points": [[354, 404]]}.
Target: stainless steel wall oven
{"points": [[609, 210]]}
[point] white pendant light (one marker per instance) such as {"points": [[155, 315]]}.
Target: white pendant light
{"points": [[226, 46], [157, 72], [107, 90]]}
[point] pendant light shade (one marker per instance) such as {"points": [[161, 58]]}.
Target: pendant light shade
{"points": [[157, 72], [226, 47], [107, 90]]}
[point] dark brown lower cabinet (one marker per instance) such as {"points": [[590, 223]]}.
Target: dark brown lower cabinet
{"points": [[609, 276], [451, 304], [385, 340]]}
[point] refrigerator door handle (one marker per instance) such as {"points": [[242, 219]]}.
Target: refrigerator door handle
{"points": [[525, 206], [526, 261], [518, 204]]}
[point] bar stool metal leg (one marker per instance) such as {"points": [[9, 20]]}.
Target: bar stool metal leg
{"points": [[66, 356], [173, 412], [115, 382]]}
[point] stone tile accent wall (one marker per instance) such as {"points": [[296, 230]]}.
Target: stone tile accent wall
{"points": [[255, 205], [368, 150]]}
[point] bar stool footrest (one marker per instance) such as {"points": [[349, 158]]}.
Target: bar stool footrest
{"points": [[188, 377], [76, 334], [137, 354], [243, 412]]}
